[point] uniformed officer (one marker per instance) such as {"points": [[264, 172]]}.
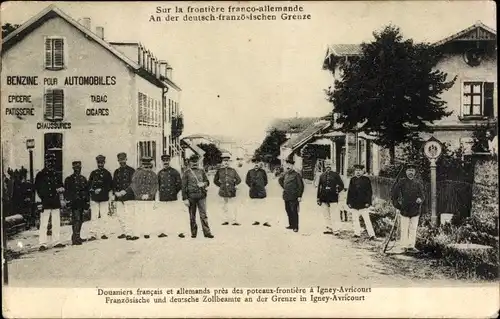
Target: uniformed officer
{"points": [[329, 186], [227, 179], [49, 189], [256, 180], [144, 185], [359, 200], [293, 188], [170, 184], [194, 195], [100, 185], [407, 196], [76, 194], [122, 178]]}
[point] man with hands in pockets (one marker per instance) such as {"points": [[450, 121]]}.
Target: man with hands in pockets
{"points": [[359, 200]]}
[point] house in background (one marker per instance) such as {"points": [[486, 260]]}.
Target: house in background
{"points": [[291, 126], [471, 56]]}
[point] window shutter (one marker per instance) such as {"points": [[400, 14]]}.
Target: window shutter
{"points": [[58, 53], [49, 105], [58, 97], [488, 99], [140, 108], [48, 53]]}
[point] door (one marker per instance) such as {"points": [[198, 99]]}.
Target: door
{"points": [[53, 144]]}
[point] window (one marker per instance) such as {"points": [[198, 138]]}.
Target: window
{"points": [[54, 105], [477, 99], [141, 109], [54, 53]]}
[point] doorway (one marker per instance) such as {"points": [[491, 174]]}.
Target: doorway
{"points": [[53, 144]]}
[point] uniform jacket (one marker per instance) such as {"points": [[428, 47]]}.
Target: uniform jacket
{"points": [[76, 191], [257, 181], [405, 194], [122, 178], [359, 193], [46, 184], [329, 186], [292, 184], [144, 182], [170, 184], [100, 178], [190, 189], [226, 179]]}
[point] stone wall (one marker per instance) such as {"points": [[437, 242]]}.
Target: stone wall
{"points": [[485, 190]]}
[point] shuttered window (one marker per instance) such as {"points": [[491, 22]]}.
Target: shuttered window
{"points": [[478, 99], [54, 53], [488, 99], [54, 105], [140, 109]]}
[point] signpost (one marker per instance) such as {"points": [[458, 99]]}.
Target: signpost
{"points": [[432, 150]]}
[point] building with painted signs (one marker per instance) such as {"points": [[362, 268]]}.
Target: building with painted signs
{"points": [[77, 95]]}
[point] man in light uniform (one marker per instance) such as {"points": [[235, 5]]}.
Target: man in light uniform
{"points": [[100, 185], [330, 184], [256, 180], [227, 179], [122, 178], [144, 185], [359, 200], [170, 184]]}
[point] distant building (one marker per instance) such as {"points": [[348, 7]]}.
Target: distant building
{"points": [[78, 95]]}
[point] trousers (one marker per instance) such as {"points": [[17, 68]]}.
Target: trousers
{"points": [[99, 219], [76, 223], [169, 216], [409, 227], [258, 208], [44, 224], [292, 210], [230, 209], [365, 213], [331, 216], [144, 218], [201, 205]]}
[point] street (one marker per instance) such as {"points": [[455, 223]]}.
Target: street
{"points": [[238, 256]]}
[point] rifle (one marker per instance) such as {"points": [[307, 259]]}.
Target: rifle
{"points": [[396, 217]]}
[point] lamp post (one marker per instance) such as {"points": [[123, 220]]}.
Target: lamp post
{"points": [[432, 150], [30, 145]]}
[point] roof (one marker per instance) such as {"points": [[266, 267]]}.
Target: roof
{"points": [[307, 134], [53, 11], [344, 49], [195, 148], [292, 125]]}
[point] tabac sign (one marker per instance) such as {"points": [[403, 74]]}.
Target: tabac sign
{"points": [[432, 148]]}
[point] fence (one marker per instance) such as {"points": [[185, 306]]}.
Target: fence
{"points": [[452, 196]]}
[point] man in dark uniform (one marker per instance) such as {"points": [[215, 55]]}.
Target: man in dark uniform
{"points": [[329, 186], [145, 186], [170, 184], [227, 179], [100, 185], [49, 188], [256, 180], [77, 198], [122, 178], [293, 188], [194, 195], [407, 196], [359, 200]]}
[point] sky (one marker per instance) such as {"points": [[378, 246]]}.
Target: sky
{"points": [[237, 76]]}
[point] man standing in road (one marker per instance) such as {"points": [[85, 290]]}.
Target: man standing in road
{"points": [[293, 188], [170, 184], [77, 198], [194, 195], [49, 188], [144, 185], [227, 179], [100, 185], [359, 199], [256, 180], [407, 196], [122, 178], [329, 186]]}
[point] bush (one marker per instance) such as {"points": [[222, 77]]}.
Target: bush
{"points": [[382, 217]]}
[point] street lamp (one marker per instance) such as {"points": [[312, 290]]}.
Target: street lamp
{"points": [[30, 145]]}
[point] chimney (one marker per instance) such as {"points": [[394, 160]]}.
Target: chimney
{"points": [[163, 68], [86, 22], [100, 32], [168, 72]]}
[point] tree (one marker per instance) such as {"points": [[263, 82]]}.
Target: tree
{"points": [[391, 91], [269, 150], [8, 28], [212, 155]]}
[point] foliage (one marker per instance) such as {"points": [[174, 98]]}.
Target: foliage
{"points": [[480, 137], [177, 126], [392, 91], [8, 28], [382, 217], [269, 150], [212, 155]]}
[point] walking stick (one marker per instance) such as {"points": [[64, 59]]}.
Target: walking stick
{"points": [[396, 217]]}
